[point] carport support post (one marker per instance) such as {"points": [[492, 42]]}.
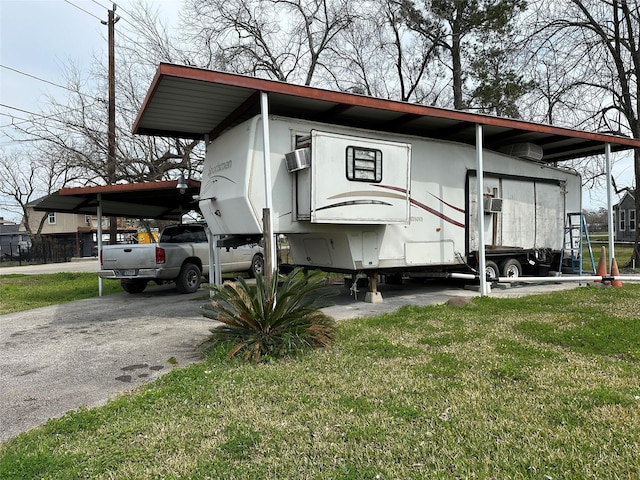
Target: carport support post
{"points": [[215, 270], [482, 264], [269, 248], [99, 233], [607, 157]]}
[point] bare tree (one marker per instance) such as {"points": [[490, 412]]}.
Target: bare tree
{"points": [[379, 55], [77, 124], [605, 36], [28, 174], [280, 39]]}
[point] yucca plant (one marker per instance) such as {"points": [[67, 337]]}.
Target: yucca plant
{"points": [[273, 319]]}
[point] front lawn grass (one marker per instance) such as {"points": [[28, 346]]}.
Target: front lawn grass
{"points": [[541, 387], [23, 292]]}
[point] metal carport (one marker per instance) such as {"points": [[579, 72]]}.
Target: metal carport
{"points": [[194, 103], [161, 200]]}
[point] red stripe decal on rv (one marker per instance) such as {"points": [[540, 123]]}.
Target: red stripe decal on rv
{"points": [[436, 213], [461, 210], [425, 207]]}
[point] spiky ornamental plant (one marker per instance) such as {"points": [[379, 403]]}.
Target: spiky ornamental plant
{"points": [[271, 320]]}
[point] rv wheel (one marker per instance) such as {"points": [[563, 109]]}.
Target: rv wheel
{"points": [[491, 270], [511, 268]]}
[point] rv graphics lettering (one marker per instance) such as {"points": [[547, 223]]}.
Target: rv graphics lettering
{"points": [[213, 169]]}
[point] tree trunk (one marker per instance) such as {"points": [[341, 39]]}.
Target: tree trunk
{"points": [[456, 61]]}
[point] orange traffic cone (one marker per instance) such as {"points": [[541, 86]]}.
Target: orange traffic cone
{"points": [[615, 273], [601, 270]]}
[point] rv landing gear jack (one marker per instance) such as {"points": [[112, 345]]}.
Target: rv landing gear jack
{"points": [[373, 295]]}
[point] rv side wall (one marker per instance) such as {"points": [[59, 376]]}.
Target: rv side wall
{"points": [[530, 200]]}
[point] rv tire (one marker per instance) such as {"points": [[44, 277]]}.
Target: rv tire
{"points": [[511, 268], [491, 270]]}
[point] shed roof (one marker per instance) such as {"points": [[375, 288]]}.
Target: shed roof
{"points": [[192, 103], [160, 200]]}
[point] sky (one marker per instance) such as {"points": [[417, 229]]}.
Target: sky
{"points": [[39, 37]]}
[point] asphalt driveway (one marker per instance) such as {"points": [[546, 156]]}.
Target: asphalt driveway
{"points": [[59, 358]]}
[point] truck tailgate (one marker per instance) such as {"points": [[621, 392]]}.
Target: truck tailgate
{"points": [[132, 256]]}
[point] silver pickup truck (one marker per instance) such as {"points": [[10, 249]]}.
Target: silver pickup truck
{"points": [[181, 255]]}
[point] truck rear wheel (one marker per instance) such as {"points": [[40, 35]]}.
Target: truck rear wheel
{"points": [[188, 280], [511, 268], [133, 286]]}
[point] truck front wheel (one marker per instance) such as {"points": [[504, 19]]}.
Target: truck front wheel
{"points": [[257, 265], [188, 280], [133, 286], [511, 268]]}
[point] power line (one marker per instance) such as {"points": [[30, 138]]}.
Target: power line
{"points": [[119, 32], [82, 9], [43, 117], [50, 82], [100, 5], [119, 8], [81, 94]]}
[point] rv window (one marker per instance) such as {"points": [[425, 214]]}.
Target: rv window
{"points": [[364, 164]]}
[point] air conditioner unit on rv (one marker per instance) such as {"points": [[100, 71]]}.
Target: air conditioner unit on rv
{"points": [[492, 205], [298, 159], [526, 151]]}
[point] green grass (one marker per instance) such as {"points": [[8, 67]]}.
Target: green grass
{"points": [[24, 292], [623, 253], [537, 387]]}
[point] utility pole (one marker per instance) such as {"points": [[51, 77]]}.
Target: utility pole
{"points": [[111, 140]]}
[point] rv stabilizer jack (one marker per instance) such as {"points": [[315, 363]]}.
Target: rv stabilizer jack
{"points": [[373, 295]]}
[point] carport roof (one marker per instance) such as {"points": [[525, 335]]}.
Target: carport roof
{"points": [[194, 103], [160, 200]]}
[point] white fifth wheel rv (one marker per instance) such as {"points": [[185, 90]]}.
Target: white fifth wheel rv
{"points": [[356, 200]]}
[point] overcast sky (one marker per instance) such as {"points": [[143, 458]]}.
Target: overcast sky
{"points": [[39, 37]]}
